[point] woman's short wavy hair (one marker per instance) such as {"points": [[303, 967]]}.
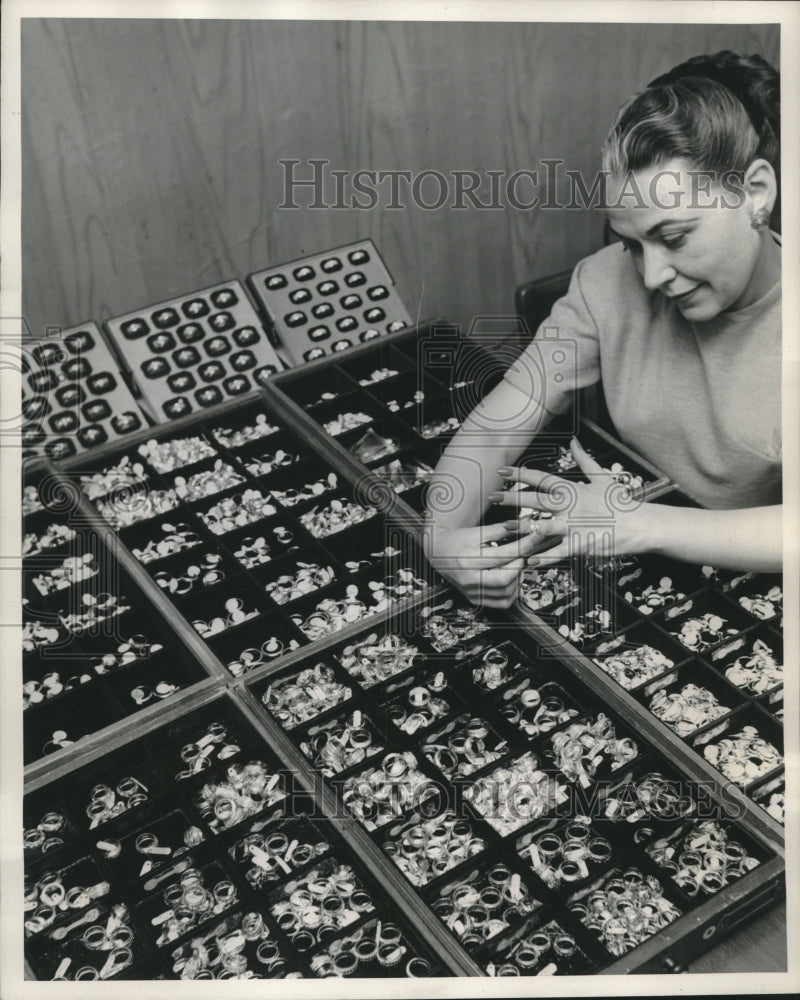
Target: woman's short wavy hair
{"points": [[719, 112]]}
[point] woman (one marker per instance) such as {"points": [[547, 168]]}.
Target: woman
{"points": [[680, 320]]}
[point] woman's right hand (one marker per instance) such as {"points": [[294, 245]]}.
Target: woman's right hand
{"points": [[488, 574]]}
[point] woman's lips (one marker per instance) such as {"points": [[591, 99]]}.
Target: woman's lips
{"points": [[685, 295]]}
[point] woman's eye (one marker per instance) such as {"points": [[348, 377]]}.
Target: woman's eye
{"points": [[675, 242]]}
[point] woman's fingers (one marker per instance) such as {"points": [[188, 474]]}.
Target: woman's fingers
{"points": [[528, 542], [585, 461], [539, 480]]}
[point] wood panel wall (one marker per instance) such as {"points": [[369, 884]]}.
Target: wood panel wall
{"points": [[151, 148]]}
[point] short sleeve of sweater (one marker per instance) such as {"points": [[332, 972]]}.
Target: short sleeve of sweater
{"points": [[565, 354]]}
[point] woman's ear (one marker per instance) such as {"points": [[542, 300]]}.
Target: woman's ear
{"points": [[761, 186]]}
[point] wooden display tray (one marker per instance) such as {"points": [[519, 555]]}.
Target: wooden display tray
{"points": [[667, 951]]}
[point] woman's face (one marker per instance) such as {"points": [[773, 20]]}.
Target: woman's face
{"points": [[691, 240]]}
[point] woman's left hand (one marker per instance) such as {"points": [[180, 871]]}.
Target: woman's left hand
{"points": [[599, 519]]}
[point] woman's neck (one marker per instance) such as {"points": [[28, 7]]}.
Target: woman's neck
{"points": [[766, 273]]}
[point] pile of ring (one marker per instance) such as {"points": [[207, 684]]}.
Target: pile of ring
{"points": [[142, 694], [566, 856], [72, 570], [138, 647], [424, 849], [37, 633], [776, 806], [477, 910], [378, 375], [309, 577], [565, 460], [582, 748], [464, 746], [206, 573], [42, 837], [743, 756], [543, 588], [704, 860], [246, 790], [177, 538], [316, 905], [338, 515], [686, 710], [396, 407], [49, 898], [209, 748], [107, 803], [346, 422], [264, 464], [235, 614], [546, 951], [445, 631], [123, 509], [757, 672], [382, 793], [436, 427], [205, 484], [302, 696], [98, 609], [155, 854], [371, 948], [652, 796], [255, 551], [230, 438], [30, 500], [725, 580], [50, 686], [114, 938], [533, 714], [421, 705], [635, 665], [377, 659], [342, 744], [764, 606], [54, 535], [628, 909], [493, 671], [331, 615], [190, 902], [165, 456], [699, 634], [514, 795], [402, 583], [121, 475], [272, 855], [652, 597], [292, 496], [253, 656], [587, 626], [228, 949], [622, 477], [236, 511]]}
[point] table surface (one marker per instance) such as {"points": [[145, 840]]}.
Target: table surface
{"points": [[756, 947]]}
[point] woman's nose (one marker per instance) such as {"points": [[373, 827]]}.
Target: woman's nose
{"points": [[656, 269]]}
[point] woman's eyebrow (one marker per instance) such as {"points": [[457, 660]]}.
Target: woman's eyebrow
{"points": [[653, 230]]}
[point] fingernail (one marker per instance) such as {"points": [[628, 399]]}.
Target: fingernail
{"points": [[512, 525], [532, 561], [496, 497], [505, 472]]}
